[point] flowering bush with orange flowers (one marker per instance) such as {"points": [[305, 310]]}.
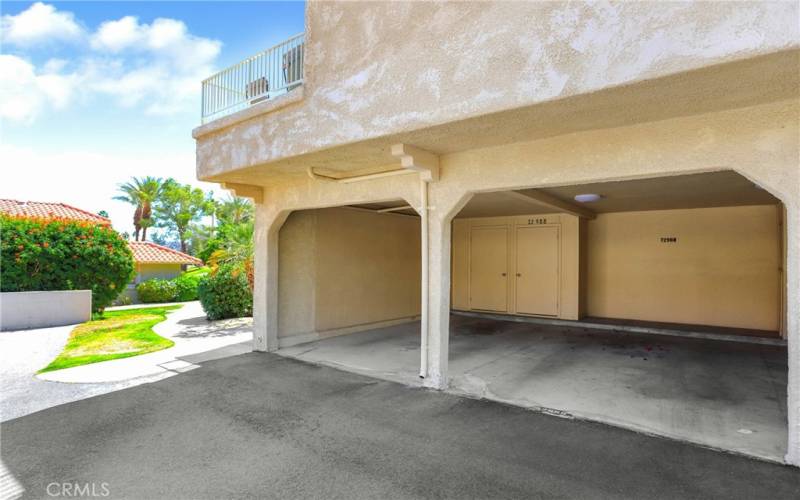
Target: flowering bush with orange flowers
{"points": [[63, 254]]}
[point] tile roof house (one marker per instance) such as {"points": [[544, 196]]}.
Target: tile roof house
{"points": [[50, 210], [146, 252], [152, 260], [156, 261]]}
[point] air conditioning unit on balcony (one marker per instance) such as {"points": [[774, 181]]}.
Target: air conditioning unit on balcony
{"points": [[293, 66], [256, 91]]}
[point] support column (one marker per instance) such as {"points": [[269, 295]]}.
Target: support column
{"points": [[445, 206], [438, 302], [793, 329], [265, 290]]}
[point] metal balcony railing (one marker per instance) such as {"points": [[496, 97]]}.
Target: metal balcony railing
{"points": [[263, 76]]}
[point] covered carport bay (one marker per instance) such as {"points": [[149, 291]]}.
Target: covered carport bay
{"points": [[657, 306], [345, 270], [721, 385]]}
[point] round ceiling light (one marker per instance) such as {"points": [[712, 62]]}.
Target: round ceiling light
{"points": [[587, 198]]}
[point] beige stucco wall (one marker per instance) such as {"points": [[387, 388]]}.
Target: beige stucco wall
{"points": [[365, 77], [146, 271], [569, 262], [368, 268], [723, 270], [297, 274], [343, 270]]}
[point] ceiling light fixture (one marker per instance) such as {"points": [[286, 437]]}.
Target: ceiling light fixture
{"points": [[587, 198]]}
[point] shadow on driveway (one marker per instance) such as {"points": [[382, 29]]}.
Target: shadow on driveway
{"points": [[200, 327]]}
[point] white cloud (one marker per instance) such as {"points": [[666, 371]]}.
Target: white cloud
{"points": [[168, 79], [39, 23], [25, 93], [157, 67], [116, 35]]}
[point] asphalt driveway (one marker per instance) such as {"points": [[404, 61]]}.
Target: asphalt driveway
{"points": [[260, 425], [25, 352]]}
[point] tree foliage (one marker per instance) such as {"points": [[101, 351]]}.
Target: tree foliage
{"points": [[142, 193], [178, 207], [236, 250], [62, 254]]}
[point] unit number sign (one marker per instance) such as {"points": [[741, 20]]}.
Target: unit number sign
{"points": [[537, 221]]}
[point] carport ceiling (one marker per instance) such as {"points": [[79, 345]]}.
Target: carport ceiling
{"points": [[714, 189], [398, 207]]}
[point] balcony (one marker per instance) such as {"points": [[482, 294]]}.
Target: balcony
{"points": [[266, 75]]}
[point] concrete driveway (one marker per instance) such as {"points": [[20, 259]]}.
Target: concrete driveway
{"points": [[26, 352], [261, 425]]}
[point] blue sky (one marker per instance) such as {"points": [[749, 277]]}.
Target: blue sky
{"points": [[92, 93]]}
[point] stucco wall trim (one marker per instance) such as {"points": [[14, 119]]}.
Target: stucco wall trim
{"points": [[263, 108]]}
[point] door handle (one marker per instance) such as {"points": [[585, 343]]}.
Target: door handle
{"points": [[518, 275], [503, 274]]}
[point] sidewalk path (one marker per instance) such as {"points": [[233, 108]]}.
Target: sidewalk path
{"points": [[193, 335], [24, 352]]}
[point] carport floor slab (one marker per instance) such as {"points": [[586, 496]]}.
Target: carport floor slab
{"points": [[729, 396]]}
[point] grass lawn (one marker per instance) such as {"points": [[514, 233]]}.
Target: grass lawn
{"points": [[115, 334]]}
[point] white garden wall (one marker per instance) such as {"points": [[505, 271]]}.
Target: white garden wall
{"points": [[26, 310]]}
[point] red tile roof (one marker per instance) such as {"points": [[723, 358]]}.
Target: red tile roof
{"points": [[145, 252], [49, 210]]}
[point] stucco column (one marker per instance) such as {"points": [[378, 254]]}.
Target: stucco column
{"points": [[445, 204], [793, 330], [265, 290]]}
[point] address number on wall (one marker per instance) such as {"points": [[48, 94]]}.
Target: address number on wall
{"points": [[537, 221]]}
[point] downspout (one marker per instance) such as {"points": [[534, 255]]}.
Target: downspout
{"points": [[427, 164], [423, 213]]}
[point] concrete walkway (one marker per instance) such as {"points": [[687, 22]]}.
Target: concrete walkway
{"points": [[25, 352], [192, 333], [262, 426]]}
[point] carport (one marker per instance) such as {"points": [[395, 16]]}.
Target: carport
{"points": [[658, 306], [345, 270]]}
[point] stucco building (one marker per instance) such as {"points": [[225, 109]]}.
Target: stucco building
{"points": [[599, 202], [157, 261], [152, 260]]}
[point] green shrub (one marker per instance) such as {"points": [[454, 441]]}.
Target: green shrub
{"points": [[156, 290], [187, 283], [123, 300], [60, 254], [211, 246], [226, 294]]}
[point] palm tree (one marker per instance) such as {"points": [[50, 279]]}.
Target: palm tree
{"points": [[238, 251], [141, 193], [235, 210]]}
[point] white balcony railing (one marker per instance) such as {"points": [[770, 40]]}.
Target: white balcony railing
{"points": [[263, 76]]}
